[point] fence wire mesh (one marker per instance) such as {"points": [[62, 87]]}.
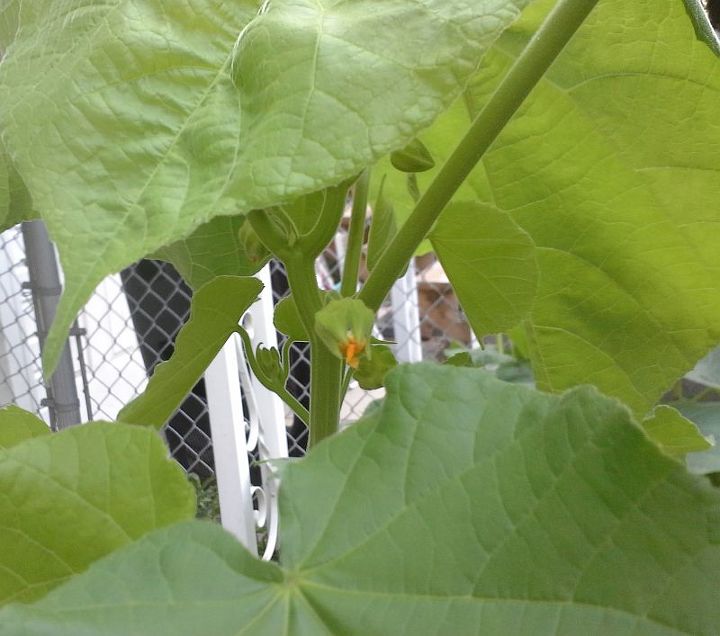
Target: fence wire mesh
{"points": [[130, 324]]}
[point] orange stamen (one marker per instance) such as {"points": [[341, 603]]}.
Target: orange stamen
{"points": [[351, 351]]}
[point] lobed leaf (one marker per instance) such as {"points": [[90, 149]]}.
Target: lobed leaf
{"points": [[70, 498], [463, 505], [611, 168], [215, 312], [133, 122]]}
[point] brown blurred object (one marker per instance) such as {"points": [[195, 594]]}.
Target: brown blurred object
{"points": [[440, 314]]}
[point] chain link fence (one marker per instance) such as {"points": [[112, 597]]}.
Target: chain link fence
{"points": [[130, 324]]}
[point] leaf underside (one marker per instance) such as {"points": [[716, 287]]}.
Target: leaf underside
{"points": [[464, 505], [135, 121]]}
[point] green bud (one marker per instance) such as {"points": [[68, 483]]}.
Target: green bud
{"points": [[254, 248], [268, 361], [415, 157], [345, 327]]}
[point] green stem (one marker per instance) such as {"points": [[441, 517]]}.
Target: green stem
{"points": [[542, 50], [356, 234], [325, 368]]}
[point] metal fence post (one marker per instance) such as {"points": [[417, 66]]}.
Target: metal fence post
{"points": [[46, 288]]}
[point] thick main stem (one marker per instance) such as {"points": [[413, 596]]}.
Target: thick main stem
{"points": [[325, 368], [356, 234], [557, 30]]}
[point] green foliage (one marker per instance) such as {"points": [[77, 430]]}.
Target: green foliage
{"points": [[69, 499], [497, 510], [214, 249], [610, 167], [136, 121], [211, 135], [17, 426], [383, 229], [215, 313]]}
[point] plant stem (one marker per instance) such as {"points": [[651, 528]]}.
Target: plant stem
{"points": [[325, 368], [356, 234], [542, 50]]}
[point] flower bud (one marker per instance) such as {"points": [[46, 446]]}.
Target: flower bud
{"points": [[415, 157], [345, 326], [268, 361]]}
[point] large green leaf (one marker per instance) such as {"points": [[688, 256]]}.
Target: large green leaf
{"points": [[464, 505], [69, 499], [135, 121], [611, 167], [491, 262], [215, 312], [17, 425]]}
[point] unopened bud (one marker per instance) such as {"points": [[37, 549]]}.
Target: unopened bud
{"points": [[269, 363], [415, 157]]}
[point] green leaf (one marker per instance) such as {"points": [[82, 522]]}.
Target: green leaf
{"points": [[703, 28], [287, 317], [383, 228], [372, 369], [675, 434], [9, 12], [15, 202], [491, 263], [287, 320], [135, 121], [611, 167], [210, 251], [70, 498], [17, 425], [215, 312], [494, 510]]}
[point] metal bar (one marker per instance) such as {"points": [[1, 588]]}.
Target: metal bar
{"points": [[46, 288]]}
